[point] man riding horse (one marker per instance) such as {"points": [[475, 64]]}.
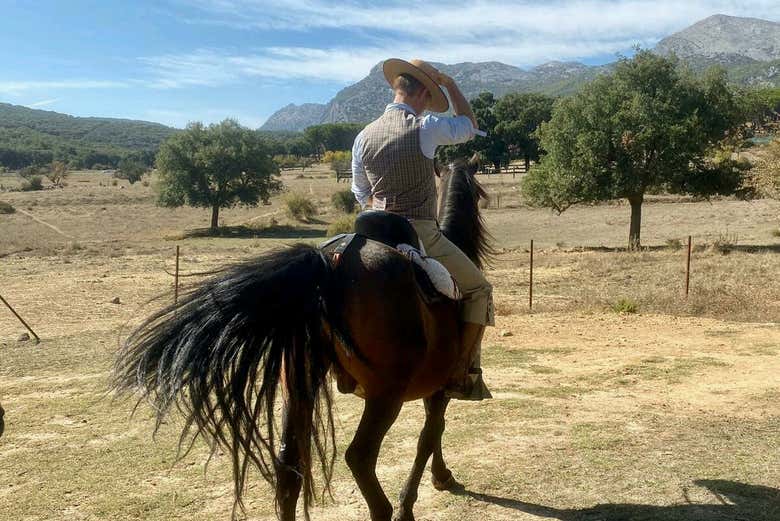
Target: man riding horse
{"points": [[393, 170]]}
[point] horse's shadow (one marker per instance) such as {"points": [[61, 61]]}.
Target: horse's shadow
{"points": [[736, 502]]}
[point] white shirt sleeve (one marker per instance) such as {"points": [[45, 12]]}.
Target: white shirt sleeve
{"points": [[360, 185], [435, 131]]}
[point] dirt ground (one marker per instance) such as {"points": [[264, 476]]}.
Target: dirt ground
{"points": [[671, 413]]}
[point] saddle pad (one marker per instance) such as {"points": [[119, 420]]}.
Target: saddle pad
{"points": [[438, 275]]}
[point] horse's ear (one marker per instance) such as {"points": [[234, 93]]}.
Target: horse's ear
{"points": [[474, 164]]}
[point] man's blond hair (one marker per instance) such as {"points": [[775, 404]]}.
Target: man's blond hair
{"points": [[407, 84]]}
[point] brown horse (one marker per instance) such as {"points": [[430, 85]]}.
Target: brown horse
{"points": [[273, 327]]}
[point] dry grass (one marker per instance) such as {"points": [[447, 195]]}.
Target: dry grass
{"points": [[656, 415]]}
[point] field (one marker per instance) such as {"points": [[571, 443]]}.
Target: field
{"points": [[670, 413]]}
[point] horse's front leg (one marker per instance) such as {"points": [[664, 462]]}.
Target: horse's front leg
{"points": [[429, 441], [361, 455]]}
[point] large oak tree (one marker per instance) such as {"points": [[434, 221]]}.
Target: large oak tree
{"points": [[650, 126], [216, 166]]}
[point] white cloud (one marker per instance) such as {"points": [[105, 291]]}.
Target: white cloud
{"points": [[519, 33], [441, 20], [43, 103], [16, 87]]}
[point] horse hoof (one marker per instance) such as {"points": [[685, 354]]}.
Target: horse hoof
{"points": [[447, 484]]}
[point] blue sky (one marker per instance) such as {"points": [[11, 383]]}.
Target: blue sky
{"points": [[175, 61]]}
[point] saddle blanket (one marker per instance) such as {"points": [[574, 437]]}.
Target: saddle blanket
{"points": [[437, 273]]}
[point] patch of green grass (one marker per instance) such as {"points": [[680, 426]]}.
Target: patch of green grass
{"points": [[625, 306], [543, 369], [597, 436], [557, 391]]}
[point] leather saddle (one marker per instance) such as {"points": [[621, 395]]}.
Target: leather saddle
{"points": [[390, 229]]}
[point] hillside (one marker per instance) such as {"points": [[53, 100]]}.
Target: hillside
{"points": [[366, 99], [40, 136], [748, 48]]}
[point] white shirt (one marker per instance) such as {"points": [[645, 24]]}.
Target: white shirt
{"points": [[434, 131]]}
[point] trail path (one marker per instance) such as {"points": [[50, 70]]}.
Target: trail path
{"points": [[40, 221]]}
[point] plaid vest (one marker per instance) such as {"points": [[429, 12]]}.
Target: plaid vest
{"points": [[401, 177]]}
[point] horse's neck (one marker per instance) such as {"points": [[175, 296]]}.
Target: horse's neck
{"points": [[458, 215], [442, 189]]}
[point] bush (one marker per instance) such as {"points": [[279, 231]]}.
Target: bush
{"points": [[299, 207], [344, 200], [674, 244], [6, 208], [725, 243], [625, 306], [339, 159], [776, 232], [344, 224], [32, 184]]}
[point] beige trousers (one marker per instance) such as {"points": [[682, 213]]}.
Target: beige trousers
{"points": [[477, 292]]}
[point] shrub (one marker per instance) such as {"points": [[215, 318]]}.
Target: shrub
{"points": [[299, 207], [32, 184], [344, 200], [776, 232], [114, 182], [674, 244], [344, 224], [338, 159], [6, 208], [624, 306], [57, 173], [725, 243]]}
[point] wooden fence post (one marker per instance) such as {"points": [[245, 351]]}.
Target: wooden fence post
{"points": [[37, 340], [176, 278], [688, 268], [531, 280]]}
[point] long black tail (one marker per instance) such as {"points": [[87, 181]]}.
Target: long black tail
{"points": [[220, 355]]}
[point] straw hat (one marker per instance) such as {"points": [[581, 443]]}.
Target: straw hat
{"points": [[422, 71]]}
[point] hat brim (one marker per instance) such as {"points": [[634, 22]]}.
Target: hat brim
{"points": [[395, 67]]}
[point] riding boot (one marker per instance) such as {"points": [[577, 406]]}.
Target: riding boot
{"points": [[470, 385]]}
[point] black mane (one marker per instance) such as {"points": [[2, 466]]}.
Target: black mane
{"points": [[460, 219]]}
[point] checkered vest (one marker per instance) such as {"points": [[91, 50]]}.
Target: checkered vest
{"points": [[401, 177]]}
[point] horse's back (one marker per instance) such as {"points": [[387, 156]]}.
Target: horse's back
{"points": [[400, 340]]}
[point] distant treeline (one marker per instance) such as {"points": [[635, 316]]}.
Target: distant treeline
{"points": [[37, 137]]}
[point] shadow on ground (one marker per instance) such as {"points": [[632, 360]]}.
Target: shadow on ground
{"points": [[245, 232], [736, 502]]}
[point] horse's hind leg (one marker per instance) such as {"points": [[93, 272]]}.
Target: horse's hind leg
{"points": [[362, 454], [429, 441], [296, 428]]}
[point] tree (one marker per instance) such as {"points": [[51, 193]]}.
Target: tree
{"points": [[57, 173], [518, 116], [649, 126], [491, 148], [332, 136], [216, 167], [130, 169]]}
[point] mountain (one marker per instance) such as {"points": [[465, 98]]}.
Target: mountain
{"points": [[294, 117], [749, 48], [366, 99], [39, 136], [725, 40]]}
